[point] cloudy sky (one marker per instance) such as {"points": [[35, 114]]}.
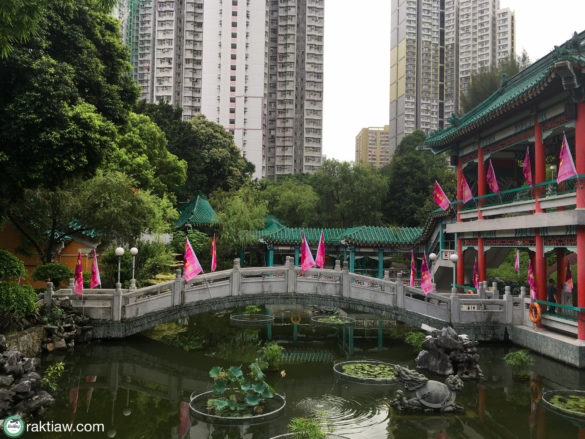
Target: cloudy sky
{"points": [[357, 59]]}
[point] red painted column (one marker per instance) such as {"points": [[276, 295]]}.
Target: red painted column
{"points": [[561, 271], [460, 263], [580, 165], [480, 258], [539, 161], [540, 268], [459, 196], [481, 182]]}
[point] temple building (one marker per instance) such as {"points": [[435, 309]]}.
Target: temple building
{"points": [[532, 111]]}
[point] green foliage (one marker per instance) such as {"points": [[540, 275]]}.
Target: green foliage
{"points": [[334, 319], [307, 428], [486, 82], [105, 205], [236, 393], [53, 272], [293, 202], [213, 160], [237, 211], [415, 340], [142, 155], [53, 316], [349, 195], [520, 361], [412, 174], [252, 309], [17, 301], [52, 375], [153, 258], [506, 270], [272, 353], [64, 91], [10, 266], [574, 403]]}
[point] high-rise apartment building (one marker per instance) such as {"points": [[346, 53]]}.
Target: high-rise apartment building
{"points": [[436, 45], [253, 66], [372, 145]]}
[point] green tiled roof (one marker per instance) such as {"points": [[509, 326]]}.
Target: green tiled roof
{"points": [[365, 236], [513, 92], [196, 212]]}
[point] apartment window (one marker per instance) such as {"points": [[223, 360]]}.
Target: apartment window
{"points": [[232, 78], [232, 110], [234, 13], [234, 35], [232, 99], [234, 46]]}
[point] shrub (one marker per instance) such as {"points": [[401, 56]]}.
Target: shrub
{"points": [[10, 266], [252, 309], [17, 300], [415, 339], [52, 375], [53, 272], [520, 361], [272, 354]]}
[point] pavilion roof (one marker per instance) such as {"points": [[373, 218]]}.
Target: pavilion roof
{"points": [[196, 212], [513, 92]]}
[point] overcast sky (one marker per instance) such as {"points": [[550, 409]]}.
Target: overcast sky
{"points": [[357, 59]]}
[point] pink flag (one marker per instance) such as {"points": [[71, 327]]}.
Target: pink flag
{"points": [[517, 261], [425, 277], [491, 179], [439, 197], [412, 268], [569, 278], [320, 259], [184, 419], [78, 275], [475, 275], [466, 194], [213, 255], [95, 272], [527, 167], [531, 281], [307, 260], [566, 164], [19, 280], [192, 266]]}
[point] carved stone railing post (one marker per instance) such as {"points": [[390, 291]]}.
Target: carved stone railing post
{"points": [[481, 290], [455, 306], [48, 298], [509, 303], [337, 265], [236, 277], [345, 281], [522, 297], [117, 303], [291, 276], [71, 285], [178, 287], [399, 291], [495, 290]]}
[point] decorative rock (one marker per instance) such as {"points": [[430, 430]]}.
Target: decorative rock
{"points": [[21, 387], [50, 347], [6, 380], [446, 353], [31, 364], [2, 343], [60, 344]]}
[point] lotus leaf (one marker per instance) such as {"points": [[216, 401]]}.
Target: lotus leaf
{"points": [[214, 371], [219, 387], [252, 399], [236, 371], [575, 403]]}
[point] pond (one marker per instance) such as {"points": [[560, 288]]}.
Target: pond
{"points": [[139, 387]]}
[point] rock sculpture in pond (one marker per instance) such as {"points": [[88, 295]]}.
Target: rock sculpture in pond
{"points": [[446, 353], [429, 396]]}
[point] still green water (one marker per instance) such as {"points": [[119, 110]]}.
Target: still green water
{"points": [[137, 388]]}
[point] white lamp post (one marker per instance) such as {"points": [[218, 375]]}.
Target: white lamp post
{"points": [[119, 252], [454, 258], [133, 252]]}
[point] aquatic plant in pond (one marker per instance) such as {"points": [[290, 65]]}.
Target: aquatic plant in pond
{"points": [[306, 428], [415, 339], [236, 394], [252, 309], [333, 320], [272, 354], [369, 370], [571, 402], [520, 361]]}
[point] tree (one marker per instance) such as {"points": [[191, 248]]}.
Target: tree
{"points": [[294, 203], [143, 155], [412, 174], [349, 196], [237, 212], [485, 82], [213, 160], [106, 206], [64, 90]]}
